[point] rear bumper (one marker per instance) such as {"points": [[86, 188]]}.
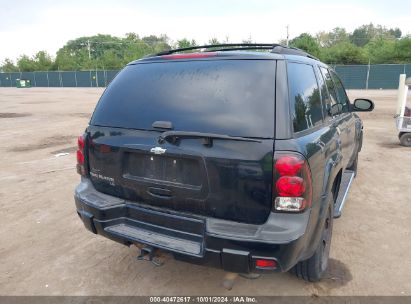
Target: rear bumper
{"points": [[200, 240]]}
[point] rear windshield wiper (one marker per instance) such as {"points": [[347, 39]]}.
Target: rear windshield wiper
{"points": [[174, 136]]}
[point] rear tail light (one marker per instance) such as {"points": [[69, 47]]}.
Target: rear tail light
{"points": [[293, 186], [289, 165], [292, 190], [81, 144]]}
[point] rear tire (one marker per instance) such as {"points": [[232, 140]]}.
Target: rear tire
{"points": [[405, 140], [313, 269]]}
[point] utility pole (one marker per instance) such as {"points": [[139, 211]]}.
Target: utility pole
{"points": [[89, 49], [287, 27], [368, 73]]}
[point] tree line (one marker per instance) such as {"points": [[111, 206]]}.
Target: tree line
{"points": [[369, 43]]}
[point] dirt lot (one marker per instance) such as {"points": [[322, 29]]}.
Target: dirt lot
{"points": [[45, 250]]}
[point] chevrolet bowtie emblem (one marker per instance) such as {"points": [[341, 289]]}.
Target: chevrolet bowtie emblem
{"points": [[158, 150]]}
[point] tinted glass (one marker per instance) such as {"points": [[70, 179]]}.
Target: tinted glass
{"points": [[304, 96], [330, 85], [233, 97], [342, 95], [325, 96]]}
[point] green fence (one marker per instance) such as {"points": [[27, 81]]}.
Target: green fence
{"points": [[377, 76], [60, 78], [381, 76]]}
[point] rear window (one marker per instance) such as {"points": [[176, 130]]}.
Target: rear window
{"points": [[233, 97]]}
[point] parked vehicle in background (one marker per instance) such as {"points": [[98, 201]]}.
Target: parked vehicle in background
{"points": [[403, 115], [229, 157]]}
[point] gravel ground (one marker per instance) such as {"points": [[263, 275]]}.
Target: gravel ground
{"points": [[45, 250]]}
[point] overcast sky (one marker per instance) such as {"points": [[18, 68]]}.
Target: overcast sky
{"points": [[29, 26]]}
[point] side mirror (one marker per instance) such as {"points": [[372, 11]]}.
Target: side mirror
{"points": [[362, 105], [408, 81]]}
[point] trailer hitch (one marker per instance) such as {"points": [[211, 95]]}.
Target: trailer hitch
{"points": [[147, 253]]}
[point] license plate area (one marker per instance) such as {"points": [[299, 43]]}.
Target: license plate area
{"points": [[166, 168]]}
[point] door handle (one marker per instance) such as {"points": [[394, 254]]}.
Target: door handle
{"points": [[321, 144]]}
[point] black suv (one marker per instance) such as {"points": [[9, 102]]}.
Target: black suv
{"points": [[231, 157]]}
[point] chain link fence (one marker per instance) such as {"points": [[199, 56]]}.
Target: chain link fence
{"points": [[375, 76], [379, 76], [99, 78]]}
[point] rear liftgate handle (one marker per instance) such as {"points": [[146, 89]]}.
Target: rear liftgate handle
{"points": [[159, 192]]}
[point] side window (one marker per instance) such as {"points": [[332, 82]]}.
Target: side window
{"points": [[304, 95], [332, 94], [326, 98], [342, 95]]}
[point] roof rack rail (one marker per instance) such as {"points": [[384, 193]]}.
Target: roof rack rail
{"points": [[220, 47], [227, 49], [289, 50], [274, 47]]}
